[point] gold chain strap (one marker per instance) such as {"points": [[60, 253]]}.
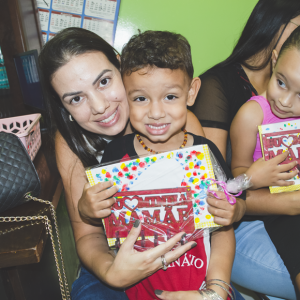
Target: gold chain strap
{"points": [[64, 288]]}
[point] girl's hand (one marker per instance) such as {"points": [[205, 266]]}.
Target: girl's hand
{"points": [[96, 202], [182, 295], [270, 173], [131, 266], [225, 213]]}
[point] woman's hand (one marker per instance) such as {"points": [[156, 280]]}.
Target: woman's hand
{"points": [[131, 266], [182, 295], [269, 173], [96, 201], [225, 213]]}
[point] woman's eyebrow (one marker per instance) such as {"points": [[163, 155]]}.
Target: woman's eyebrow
{"points": [[70, 94], [100, 75]]}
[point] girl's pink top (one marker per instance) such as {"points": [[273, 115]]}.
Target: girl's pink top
{"points": [[269, 118]]}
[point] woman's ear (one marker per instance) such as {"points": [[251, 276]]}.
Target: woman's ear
{"points": [[119, 58], [274, 59], [193, 91]]}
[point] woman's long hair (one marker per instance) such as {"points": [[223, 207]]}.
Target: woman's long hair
{"points": [[262, 31], [56, 53]]}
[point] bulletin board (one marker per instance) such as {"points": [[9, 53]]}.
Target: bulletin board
{"points": [[98, 16]]}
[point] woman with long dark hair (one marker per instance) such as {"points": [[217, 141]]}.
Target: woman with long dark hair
{"points": [[225, 88], [87, 103]]}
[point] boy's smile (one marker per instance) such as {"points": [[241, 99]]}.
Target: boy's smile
{"points": [[158, 100]]}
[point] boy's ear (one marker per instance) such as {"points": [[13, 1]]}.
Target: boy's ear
{"points": [[193, 91], [274, 59]]}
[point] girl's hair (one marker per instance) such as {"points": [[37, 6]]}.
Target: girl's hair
{"points": [[293, 41], [262, 31], [56, 53]]}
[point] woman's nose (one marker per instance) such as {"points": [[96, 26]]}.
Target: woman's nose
{"points": [[156, 111], [98, 103]]}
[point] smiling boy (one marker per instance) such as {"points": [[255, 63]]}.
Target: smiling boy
{"points": [[157, 72]]}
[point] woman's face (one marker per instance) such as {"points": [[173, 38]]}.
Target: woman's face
{"points": [[91, 89], [291, 26]]}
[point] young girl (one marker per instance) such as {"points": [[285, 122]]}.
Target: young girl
{"points": [[157, 73], [281, 102]]}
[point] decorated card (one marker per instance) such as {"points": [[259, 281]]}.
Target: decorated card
{"points": [[280, 137], [166, 191]]}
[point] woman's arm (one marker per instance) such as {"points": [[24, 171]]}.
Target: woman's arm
{"points": [[129, 266], [218, 137], [220, 265], [222, 256], [193, 125]]}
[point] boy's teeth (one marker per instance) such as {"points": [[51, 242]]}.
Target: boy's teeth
{"points": [[157, 127], [109, 119]]}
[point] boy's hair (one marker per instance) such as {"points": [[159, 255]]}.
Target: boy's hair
{"points": [[293, 41], [162, 49]]}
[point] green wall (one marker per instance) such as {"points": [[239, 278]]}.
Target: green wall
{"points": [[211, 26]]}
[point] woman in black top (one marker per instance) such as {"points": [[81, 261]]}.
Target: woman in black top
{"points": [[225, 88]]}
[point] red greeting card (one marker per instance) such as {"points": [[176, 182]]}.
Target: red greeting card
{"points": [[280, 137]]}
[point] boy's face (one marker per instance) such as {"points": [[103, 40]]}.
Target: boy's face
{"points": [[157, 101]]}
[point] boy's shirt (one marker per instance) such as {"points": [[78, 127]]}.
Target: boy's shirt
{"points": [[189, 271]]}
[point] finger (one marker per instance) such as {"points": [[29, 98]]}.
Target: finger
{"points": [[280, 158], [220, 203], [167, 246], [285, 183], [287, 176], [132, 236], [105, 194], [176, 253], [223, 221], [222, 216], [167, 295], [219, 194], [287, 167], [99, 187]]}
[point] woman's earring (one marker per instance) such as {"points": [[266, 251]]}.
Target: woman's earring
{"points": [[70, 118]]}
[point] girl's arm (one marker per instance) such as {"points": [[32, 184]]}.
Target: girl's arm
{"points": [[243, 134], [129, 266], [243, 131]]}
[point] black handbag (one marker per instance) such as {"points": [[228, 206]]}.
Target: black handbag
{"points": [[18, 175], [19, 183]]}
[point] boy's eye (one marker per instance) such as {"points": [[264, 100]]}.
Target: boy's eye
{"points": [[76, 99], [170, 97], [281, 83], [140, 99], [104, 82]]}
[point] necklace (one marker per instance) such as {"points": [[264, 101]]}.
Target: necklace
{"points": [[155, 152]]}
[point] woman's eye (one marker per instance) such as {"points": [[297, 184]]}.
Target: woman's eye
{"points": [[140, 99], [281, 83], [170, 97], [104, 82], [76, 99]]}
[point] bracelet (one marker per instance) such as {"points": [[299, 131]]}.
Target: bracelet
{"points": [[213, 294], [229, 286], [226, 290], [203, 295]]}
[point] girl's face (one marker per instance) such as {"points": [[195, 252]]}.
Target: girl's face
{"points": [[283, 92], [91, 89]]}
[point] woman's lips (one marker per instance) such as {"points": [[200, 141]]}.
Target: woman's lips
{"points": [[158, 128], [110, 120]]}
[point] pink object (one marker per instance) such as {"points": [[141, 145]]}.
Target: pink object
{"points": [[27, 129]]}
